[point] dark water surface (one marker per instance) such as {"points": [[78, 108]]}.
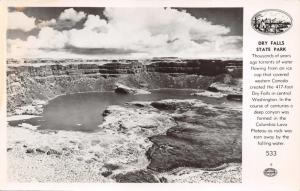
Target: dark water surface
{"points": [[83, 111]]}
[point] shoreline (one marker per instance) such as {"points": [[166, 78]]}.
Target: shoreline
{"points": [[52, 98], [16, 117], [20, 117]]}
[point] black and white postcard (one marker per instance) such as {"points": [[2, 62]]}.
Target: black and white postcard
{"points": [[161, 92]]}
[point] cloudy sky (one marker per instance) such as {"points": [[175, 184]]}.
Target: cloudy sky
{"points": [[124, 32]]}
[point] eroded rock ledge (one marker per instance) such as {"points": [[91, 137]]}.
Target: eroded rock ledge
{"points": [[122, 89]]}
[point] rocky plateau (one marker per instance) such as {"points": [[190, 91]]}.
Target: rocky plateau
{"points": [[165, 141]]}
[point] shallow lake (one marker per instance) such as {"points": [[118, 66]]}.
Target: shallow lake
{"points": [[83, 111]]}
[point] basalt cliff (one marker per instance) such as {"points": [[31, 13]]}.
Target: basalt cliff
{"points": [[44, 79]]}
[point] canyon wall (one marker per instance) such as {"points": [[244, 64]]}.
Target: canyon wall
{"points": [[28, 80]]}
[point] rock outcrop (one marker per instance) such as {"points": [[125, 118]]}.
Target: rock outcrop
{"points": [[206, 136], [36, 108], [235, 97], [122, 89], [227, 88], [209, 94], [141, 176], [136, 121]]}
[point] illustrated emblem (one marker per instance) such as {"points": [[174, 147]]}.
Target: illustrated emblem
{"points": [[271, 22], [270, 172]]}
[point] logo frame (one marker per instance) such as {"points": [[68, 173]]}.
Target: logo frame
{"points": [[270, 33]]}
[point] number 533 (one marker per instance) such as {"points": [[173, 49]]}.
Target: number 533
{"points": [[271, 153]]}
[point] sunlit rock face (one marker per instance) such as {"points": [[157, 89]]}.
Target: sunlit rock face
{"points": [[42, 79], [122, 89]]}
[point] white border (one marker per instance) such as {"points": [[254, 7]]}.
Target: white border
{"points": [[252, 160]]}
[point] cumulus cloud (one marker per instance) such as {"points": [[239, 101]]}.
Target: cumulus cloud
{"points": [[18, 20], [94, 22], [66, 20], [48, 38], [150, 32], [72, 14]]}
